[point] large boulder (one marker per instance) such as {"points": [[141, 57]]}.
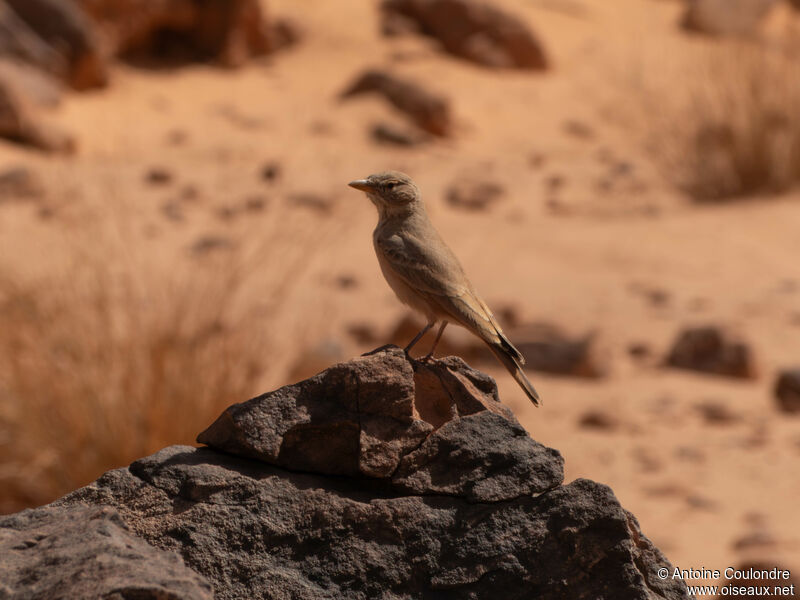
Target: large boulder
{"points": [[227, 31], [88, 552], [382, 477], [471, 29]]}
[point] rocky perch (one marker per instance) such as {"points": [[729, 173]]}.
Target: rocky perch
{"points": [[377, 478]]}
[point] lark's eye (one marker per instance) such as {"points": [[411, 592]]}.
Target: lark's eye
{"points": [[391, 185]]}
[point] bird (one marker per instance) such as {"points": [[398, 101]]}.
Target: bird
{"points": [[425, 274]]}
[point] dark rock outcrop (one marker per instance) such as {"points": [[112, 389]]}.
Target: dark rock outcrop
{"points": [[429, 111], [787, 391], [227, 31], [714, 350], [726, 17], [76, 552], [474, 30], [69, 31], [381, 477]]}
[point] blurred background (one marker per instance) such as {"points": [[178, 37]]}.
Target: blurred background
{"points": [[618, 177]]}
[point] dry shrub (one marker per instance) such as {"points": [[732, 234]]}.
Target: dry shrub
{"points": [[729, 127], [110, 361]]}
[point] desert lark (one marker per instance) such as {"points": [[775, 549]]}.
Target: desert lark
{"points": [[425, 274]]}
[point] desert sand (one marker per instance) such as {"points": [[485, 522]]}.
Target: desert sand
{"points": [[587, 221]]}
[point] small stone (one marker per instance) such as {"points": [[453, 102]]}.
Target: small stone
{"points": [[787, 391], [474, 195], [271, 172], [158, 176]]}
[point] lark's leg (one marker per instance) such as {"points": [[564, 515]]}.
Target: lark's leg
{"points": [[429, 355], [419, 336]]}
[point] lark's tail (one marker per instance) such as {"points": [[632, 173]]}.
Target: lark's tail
{"points": [[513, 361]]}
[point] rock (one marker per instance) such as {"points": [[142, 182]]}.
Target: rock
{"points": [[20, 183], [21, 122], [716, 413], [158, 176], [546, 348], [598, 420], [42, 89], [711, 349], [476, 31], [387, 133], [493, 457], [211, 243], [227, 31], [88, 552], [429, 111], [316, 202], [271, 171], [368, 416], [549, 349], [474, 195], [445, 496], [787, 391], [19, 42], [67, 29], [726, 17]]}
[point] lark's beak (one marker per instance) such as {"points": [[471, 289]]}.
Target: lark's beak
{"points": [[362, 184]]}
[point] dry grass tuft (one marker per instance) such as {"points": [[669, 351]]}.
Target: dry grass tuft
{"points": [[109, 361], [734, 131]]}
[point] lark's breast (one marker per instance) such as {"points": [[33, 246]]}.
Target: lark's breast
{"points": [[404, 292]]}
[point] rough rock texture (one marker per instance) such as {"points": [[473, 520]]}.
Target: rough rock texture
{"points": [[713, 350], [470, 29], [67, 29], [53, 553], [429, 111], [787, 391], [384, 478], [726, 17]]}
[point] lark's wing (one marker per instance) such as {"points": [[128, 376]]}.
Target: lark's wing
{"points": [[433, 271]]}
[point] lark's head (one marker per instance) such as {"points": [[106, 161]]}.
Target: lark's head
{"points": [[391, 191]]}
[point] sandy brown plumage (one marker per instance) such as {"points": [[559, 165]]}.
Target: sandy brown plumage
{"points": [[425, 274]]}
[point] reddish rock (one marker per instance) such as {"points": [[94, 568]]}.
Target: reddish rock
{"points": [[726, 17], [428, 110], [67, 29], [711, 349], [228, 31], [474, 30], [548, 348], [88, 552], [21, 122], [474, 195], [476, 509], [787, 391]]}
